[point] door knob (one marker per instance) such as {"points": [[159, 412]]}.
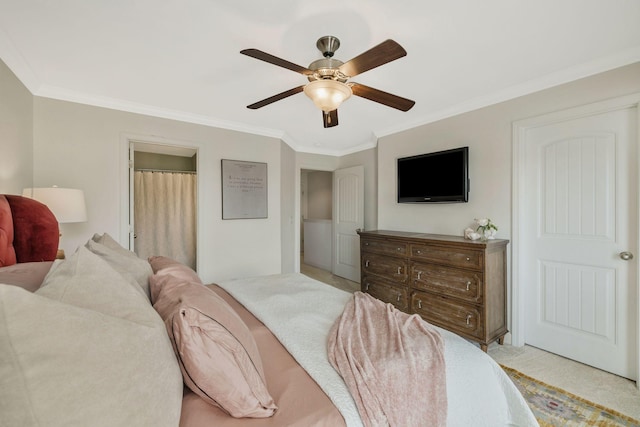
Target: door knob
{"points": [[626, 255]]}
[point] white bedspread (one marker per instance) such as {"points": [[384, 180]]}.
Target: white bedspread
{"points": [[300, 312]]}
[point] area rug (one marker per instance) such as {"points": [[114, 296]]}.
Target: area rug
{"points": [[553, 406]]}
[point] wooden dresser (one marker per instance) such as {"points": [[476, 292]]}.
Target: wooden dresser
{"points": [[454, 283]]}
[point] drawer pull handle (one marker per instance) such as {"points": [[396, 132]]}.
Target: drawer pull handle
{"points": [[366, 243], [468, 284], [419, 274], [468, 318], [419, 304], [418, 251], [366, 263], [398, 298], [398, 249], [468, 259], [399, 270]]}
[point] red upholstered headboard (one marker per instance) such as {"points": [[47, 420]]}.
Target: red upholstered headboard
{"points": [[28, 231], [7, 252]]}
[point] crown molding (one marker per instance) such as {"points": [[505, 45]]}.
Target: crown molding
{"points": [[24, 72], [17, 63], [53, 92], [601, 65]]}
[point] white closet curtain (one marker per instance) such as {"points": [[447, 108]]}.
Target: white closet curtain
{"points": [[165, 215]]}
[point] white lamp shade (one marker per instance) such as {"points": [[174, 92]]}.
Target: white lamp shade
{"points": [[327, 94], [67, 204]]}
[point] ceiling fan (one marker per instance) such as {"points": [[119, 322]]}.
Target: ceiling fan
{"points": [[328, 86]]}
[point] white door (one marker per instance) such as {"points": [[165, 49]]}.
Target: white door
{"points": [[348, 216], [579, 219]]}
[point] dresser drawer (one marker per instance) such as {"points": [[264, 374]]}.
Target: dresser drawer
{"points": [[450, 281], [450, 314], [393, 269], [386, 247], [455, 257], [396, 295]]}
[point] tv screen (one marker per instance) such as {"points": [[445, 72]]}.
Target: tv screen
{"points": [[440, 177]]}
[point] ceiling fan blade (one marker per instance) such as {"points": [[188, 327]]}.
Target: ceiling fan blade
{"points": [[381, 97], [386, 51], [330, 119], [275, 98], [266, 57]]}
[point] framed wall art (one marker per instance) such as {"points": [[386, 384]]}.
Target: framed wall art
{"points": [[244, 189]]}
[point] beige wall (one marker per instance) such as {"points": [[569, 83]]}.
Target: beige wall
{"points": [[16, 134], [319, 194], [288, 208], [488, 133], [85, 147]]}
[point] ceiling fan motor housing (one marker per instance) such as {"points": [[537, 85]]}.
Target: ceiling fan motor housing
{"points": [[327, 68], [328, 45]]}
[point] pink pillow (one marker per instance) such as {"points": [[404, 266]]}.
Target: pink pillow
{"points": [[27, 275], [162, 265], [216, 352]]}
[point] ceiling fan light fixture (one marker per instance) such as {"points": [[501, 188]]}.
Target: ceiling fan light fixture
{"points": [[327, 94]]}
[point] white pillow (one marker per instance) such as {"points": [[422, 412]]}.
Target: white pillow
{"points": [[123, 261], [88, 280], [86, 349], [111, 243]]}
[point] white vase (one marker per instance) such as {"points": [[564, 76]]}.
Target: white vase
{"points": [[489, 234]]}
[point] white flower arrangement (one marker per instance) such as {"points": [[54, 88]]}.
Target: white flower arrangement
{"points": [[486, 229]]}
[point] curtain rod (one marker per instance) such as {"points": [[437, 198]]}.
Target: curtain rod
{"points": [[164, 171]]}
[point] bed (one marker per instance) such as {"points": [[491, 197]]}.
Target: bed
{"points": [[105, 338]]}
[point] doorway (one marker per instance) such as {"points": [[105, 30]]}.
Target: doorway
{"points": [[163, 201], [332, 210], [575, 233], [316, 204]]}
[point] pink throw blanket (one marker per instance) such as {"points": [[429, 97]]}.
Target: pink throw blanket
{"points": [[392, 362]]}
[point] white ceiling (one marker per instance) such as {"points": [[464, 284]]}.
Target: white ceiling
{"points": [[181, 60]]}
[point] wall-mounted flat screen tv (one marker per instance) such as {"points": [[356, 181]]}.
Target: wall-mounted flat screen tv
{"points": [[440, 177]]}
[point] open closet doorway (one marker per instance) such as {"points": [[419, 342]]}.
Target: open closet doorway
{"points": [[316, 206], [163, 201], [332, 210]]}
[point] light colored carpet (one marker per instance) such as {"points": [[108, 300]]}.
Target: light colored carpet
{"points": [[553, 406], [611, 391], [329, 278]]}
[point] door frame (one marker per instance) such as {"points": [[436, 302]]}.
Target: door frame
{"points": [[165, 146], [297, 223], [519, 129]]}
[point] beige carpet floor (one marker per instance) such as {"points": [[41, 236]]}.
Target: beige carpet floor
{"points": [[611, 391], [600, 387]]}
